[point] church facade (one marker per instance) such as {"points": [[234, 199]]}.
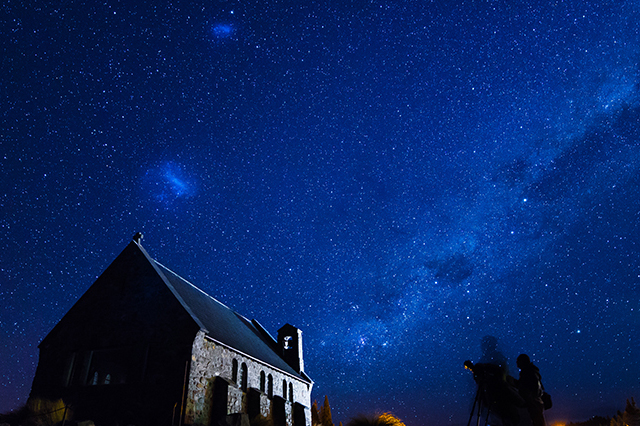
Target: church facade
{"points": [[143, 346]]}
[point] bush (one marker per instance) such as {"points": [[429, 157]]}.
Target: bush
{"points": [[385, 419], [38, 412]]}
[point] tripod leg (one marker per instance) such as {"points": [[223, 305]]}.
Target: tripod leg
{"points": [[475, 401], [479, 411]]}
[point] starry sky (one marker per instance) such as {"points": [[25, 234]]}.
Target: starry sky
{"points": [[396, 178]]}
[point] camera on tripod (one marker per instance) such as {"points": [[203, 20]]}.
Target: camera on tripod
{"points": [[484, 373], [496, 396]]}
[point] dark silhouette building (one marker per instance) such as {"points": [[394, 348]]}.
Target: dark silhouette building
{"points": [[145, 347]]}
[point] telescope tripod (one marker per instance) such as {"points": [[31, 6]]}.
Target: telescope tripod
{"points": [[478, 401], [486, 400]]}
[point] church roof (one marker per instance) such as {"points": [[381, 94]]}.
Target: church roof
{"points": [[222, 323]]}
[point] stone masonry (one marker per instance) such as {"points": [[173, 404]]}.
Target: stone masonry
{"points": [[238, 384]]}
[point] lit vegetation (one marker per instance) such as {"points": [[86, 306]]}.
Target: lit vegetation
{"points": [[38, 412]]}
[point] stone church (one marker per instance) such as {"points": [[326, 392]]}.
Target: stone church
{"points": [[143, 346]]}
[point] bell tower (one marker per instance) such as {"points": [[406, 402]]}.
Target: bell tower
{"points": [[290, 342]]}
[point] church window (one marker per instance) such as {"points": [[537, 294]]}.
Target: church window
{"points": [[290, 392], [243, 378], [284, 390], [270, 386], [263, 382], [109, 367], [234, 371], [68, 369], [79, 369]]}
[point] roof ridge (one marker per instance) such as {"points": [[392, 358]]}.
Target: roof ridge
{"points": [[154, 264], [194, 286], [220, 322]]}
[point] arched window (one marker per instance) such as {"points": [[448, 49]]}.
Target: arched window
{"points": [[243, 379], [263, 382], [290, 392], [234, 372], [284, 390], [270, 386]]}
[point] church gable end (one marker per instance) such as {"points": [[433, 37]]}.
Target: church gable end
{"points": [[128, 293], [113, 346]]}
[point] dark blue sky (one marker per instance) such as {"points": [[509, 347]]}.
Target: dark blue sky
{"points": [[398, 179]]}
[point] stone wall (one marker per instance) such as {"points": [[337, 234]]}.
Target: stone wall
{"points": [[212, 370]]}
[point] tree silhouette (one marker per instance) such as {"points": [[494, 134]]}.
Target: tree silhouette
{"points": [[326, 413], [631, 415], [322, 416], [315, 415], [593, 421]]}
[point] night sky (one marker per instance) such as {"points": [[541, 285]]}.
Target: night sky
{"points": [[396, 178]]}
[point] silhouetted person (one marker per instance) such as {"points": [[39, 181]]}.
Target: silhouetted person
{"points": [[496, 388], [495, 392], [530, 388], [491, 354]]}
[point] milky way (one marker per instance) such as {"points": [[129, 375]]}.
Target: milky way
{"points": [[396, 179]]}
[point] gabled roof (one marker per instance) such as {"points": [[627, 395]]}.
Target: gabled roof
{"points": [[221, 323]]}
